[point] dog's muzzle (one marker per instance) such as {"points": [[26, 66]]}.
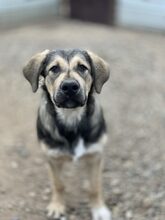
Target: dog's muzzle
{"points": [[70, 94]]}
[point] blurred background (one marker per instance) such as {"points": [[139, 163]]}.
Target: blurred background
{"points": [[146, 14], [130, 35]]}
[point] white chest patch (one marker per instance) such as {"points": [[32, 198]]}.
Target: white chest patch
{"points": [[80, 149]]}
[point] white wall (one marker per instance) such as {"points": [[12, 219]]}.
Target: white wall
{"points": [[141, 13], [16, 11]]}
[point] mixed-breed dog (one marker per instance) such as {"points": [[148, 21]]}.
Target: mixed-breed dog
{"points": [[70, 123]]}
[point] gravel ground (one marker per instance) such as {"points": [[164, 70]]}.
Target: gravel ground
{"points": [[134, 105]]}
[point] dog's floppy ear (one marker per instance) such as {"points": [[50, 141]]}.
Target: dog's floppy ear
{"points": [[101, 71], [33, 69]]}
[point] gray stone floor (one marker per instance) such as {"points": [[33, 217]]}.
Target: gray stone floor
{"points": [[134, 105]]}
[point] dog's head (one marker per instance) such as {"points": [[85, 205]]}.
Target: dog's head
{"points": [[69, 75]]}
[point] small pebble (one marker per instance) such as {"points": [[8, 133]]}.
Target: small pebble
{"points": [[15, 218], [2, 191], [47, 191], [32, 194], [22, 203], [129, 214], [38, 161], [85, 185], [10, 206], [115, 182], [23, 151], [72, 217], [45, 198], [14, 165], [116, 211], [117, 191], [147, 202], [128, 164], [27, 210]]}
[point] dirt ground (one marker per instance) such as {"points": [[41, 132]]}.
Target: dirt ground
{"points": [[134, 105]]}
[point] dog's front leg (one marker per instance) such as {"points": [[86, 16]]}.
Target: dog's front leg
{"points": [[94, 165], [56, 208]]}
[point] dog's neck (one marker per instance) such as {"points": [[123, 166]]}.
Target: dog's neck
{"points": [[70, 117]]}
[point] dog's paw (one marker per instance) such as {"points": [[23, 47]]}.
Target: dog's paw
{"points": [[101, 213], [56, 211]]}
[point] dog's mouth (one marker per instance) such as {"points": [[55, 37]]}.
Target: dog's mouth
{"points": [[63, 101], [69, 104]]}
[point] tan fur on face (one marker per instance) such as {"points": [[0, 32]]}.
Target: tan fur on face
{"points": [[54, 84], [68, 71], [58, 61], [84, 82], [78, 59]]}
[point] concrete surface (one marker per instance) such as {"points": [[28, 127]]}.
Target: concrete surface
{"points": [[134, 105]]}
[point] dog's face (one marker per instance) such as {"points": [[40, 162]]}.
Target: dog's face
{"points": [[68, 78], [68, 75]]}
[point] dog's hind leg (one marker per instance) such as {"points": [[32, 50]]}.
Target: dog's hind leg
{"points": [[56, 208], [94, 164]]}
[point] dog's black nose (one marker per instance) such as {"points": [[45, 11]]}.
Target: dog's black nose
{"points": [[70, 87]]}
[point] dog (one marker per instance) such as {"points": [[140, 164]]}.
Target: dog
{"points": [[70, 123]]}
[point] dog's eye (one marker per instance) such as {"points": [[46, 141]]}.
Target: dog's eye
{"points": [[55, 69], [82, 68]]}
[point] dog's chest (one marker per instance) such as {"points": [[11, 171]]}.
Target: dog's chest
{"points": [[81, 149], [69, 132]]}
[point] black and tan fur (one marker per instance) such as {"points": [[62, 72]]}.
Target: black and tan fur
{"points": [[70, 122]]}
